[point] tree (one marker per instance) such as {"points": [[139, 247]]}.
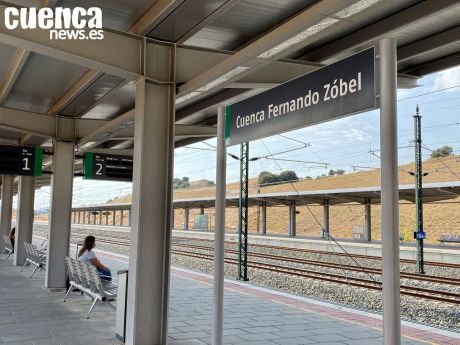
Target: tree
{"points": [[442, 152], [266, 177], [340, 172], [331, 172], [288, 175], [181, 183]]}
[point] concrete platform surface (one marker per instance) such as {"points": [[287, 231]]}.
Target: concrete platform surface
{"points": [[32, 315]]}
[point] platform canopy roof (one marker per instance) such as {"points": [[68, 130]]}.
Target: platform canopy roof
{"points": [[432, 192], [226, 50]]}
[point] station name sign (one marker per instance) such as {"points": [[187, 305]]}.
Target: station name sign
{"points": [[21, 160], [339, 89], [108, 167]]}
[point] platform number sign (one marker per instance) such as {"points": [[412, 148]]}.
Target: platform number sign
{"points": [[21, 160], [108, 167]]}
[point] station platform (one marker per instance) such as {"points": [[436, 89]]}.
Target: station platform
{"points": [[33, 315]]}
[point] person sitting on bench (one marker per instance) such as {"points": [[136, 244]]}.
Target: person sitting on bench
{"points": [[87, 256], [12, 236]]}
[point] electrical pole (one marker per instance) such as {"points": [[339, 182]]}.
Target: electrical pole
{"points": [[243, 214], [419, 234]]}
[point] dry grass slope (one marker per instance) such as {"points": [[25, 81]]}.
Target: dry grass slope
{"points": [[440, 218]]}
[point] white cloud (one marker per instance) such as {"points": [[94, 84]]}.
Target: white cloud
{"points": [[448, 78]]}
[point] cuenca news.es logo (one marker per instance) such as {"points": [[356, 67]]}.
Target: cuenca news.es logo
{"points": [[63, 23]]}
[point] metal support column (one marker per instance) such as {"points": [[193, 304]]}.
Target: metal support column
{"points": [[60, 209], [292, 219], [149, 259], [129, 218], [219, 233], [419, 235], [6, 206], [201, 210], [79, 217], [264, 218], [107, 217], [367, 220], [121, 218], [243, 214], [100, 217], [186, 217], [24, 218], [390, 198], [325, 230]]}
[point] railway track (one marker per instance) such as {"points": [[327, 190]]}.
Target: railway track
{"points": [[311, 251], [344, 267], [418, 292]]}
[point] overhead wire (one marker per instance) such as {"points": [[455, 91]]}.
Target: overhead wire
{"points": [[330, 237]]}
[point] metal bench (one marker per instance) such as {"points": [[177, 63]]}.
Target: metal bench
{"points": [[34, 257], [86, 279], [8, 249], [443, 239]]}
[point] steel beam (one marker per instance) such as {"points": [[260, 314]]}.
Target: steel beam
{"points": [[25, 218], [159, 11], [312, 15], [15, 70], [6, 206], [429, 43], [60, 213], [435, 65], [379, 29], [219, 232], [209, 19], [149, 263], [18, 62], [46, 125], [389, 180]]}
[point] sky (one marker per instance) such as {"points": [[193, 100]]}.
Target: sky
{"points": [[350, 143]]}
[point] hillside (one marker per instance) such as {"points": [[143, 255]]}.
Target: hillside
{"points": [[439, 217]]}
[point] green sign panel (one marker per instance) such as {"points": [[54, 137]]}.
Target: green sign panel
{"points": [[340, 89], [21, 160], [108, 167]]}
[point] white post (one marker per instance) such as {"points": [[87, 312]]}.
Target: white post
{"points": [[24, 218], [292, 220], [264, 218], [325, 230], [368, 220], [186, 217], [149, 259], [219, 233], [60, 214], [389, 178], [6, 206]]}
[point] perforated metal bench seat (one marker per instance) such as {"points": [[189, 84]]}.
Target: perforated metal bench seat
{"points": [[449, 238], [86, 279], [8, 248], [35, 257]]}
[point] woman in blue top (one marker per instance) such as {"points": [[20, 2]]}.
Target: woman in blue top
{"points": [[87, 256]]}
